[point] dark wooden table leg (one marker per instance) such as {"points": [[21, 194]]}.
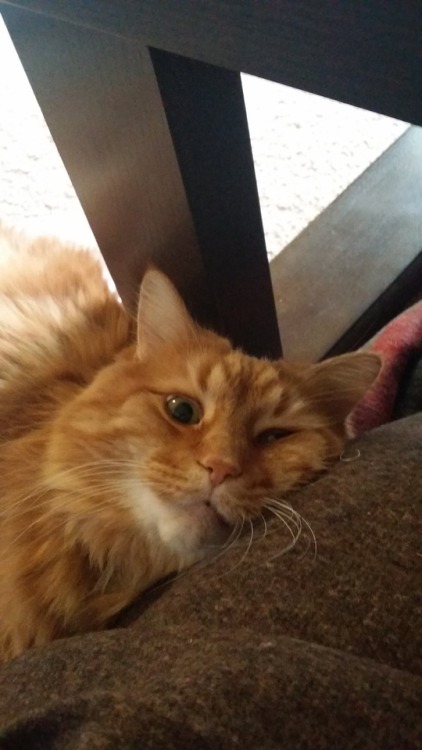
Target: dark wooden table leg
{"points": [[207, 119]]}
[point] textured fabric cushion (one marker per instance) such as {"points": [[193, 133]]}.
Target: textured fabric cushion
{"points": [[264, 652]]}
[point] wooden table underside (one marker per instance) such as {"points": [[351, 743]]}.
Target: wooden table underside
{"points": [[144, 102]]}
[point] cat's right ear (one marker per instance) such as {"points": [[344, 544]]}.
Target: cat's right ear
{"points": [[163, 320]]}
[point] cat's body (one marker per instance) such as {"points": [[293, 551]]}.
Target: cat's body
{"points": [[126, 457]]}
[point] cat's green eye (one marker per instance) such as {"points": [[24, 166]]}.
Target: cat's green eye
{"points": [[183, 409], [271, 436]]}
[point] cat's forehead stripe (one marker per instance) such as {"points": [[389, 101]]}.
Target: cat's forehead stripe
{"points": [[227, 372], [202, 370], [244, 376], [218, 376]]}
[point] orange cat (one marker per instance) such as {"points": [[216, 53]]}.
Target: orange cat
{"points": [[126, 457]]}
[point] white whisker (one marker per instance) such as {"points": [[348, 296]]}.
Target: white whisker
{"points": [[287, 515]]}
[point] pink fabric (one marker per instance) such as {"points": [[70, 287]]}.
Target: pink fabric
{"points": [[395, 343]]}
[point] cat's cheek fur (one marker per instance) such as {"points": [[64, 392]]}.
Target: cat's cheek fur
{"points": [[302, 456], [276, 470]]}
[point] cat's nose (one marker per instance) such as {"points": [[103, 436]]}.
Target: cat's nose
{"points": [[219, 469]]}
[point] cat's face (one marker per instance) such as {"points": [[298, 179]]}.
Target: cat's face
{"points": [[203, 436]]}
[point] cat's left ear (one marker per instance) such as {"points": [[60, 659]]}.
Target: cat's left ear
{"points": [[335, 386], [163, 320]]}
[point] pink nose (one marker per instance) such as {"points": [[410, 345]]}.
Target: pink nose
{"points": [[219, 469]]}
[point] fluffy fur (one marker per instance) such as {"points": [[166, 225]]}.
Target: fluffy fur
{"points": [[102, 490]]}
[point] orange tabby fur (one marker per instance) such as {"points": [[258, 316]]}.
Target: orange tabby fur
{"points": [[102, 492]]}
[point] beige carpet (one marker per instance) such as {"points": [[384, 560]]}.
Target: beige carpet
{"points": [[307, 150]]}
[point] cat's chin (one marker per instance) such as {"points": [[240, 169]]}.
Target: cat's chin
{"points": [[205, 530], [188, 527], [216, 518]]}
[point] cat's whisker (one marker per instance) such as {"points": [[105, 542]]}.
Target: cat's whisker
{"points": [[291, 516], [264, 520], [290, 522], [250, 541], [44, 489], [239, 528], [313, 540], [265, 525], [248, 547], [46, 531], [22, 507], [286, 514], [295, 536]]}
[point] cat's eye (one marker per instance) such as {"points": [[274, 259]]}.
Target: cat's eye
{"points": [[183, 409], [271, 436]]}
